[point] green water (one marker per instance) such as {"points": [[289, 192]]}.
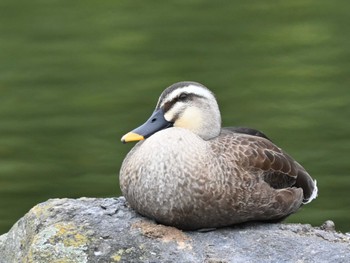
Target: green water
{"points": [[76, 75]]}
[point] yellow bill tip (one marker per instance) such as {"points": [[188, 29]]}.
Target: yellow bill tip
{"points": [[132, 137]]}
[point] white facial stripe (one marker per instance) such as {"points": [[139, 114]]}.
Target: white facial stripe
{"points": [[200, 91]]}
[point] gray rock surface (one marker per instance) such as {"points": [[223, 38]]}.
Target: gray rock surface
{"points": [[106, 230]]}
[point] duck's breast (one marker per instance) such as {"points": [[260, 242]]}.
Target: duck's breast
{"points": [[162, 173]]}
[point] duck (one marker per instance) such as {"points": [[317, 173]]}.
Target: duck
{"points": [[189, 172]]}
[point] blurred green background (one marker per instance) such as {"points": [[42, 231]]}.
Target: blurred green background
{"points": [[76, 75]]}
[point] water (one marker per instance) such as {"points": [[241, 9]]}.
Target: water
{"points": [[76, 75]]}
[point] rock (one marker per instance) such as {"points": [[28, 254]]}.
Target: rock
{"points": [[328, 225], [106, 230]]}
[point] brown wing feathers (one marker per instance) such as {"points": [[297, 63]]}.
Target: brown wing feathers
{"points": [[277, 168]]}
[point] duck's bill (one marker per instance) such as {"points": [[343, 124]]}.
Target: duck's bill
{"points": [[132, 137], [155, 123]]}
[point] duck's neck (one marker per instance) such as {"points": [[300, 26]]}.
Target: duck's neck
{"points": [[211, 124]]}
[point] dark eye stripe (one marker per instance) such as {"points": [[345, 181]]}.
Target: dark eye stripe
{"points": [[182, 97], [168, 105], [189, 96]]}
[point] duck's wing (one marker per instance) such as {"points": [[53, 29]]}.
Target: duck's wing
{"points": [[246, 130], [277, 168]]}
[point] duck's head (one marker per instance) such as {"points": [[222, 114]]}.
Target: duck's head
{"points": [[188, 105]]}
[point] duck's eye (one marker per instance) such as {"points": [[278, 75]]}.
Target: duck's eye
{"points": [[183, 96]]}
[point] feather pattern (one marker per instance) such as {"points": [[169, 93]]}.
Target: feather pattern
{"points": [[180, 179]]}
